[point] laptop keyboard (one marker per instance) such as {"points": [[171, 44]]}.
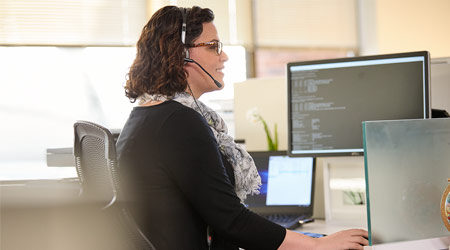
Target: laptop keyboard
{"points": [[289, 221]]}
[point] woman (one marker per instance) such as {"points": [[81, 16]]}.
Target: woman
{"points": [[187, 177]]}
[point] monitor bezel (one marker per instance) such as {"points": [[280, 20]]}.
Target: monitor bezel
{"points": [[359, 151]]}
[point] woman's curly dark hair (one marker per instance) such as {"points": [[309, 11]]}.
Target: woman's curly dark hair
{"points": [[158, 67]]}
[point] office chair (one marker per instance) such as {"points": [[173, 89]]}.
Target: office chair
{"points": [[96, 165]]}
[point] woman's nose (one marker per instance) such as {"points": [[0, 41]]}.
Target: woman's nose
{"points": [[224, 56]]}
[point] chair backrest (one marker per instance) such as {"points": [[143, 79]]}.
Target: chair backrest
{"points": [[95, 154]]}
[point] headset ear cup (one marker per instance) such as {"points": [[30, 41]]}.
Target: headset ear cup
{"points": [[186, 53]]}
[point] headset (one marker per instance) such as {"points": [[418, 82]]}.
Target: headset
{"points": [[187, 59], [183, 32]]}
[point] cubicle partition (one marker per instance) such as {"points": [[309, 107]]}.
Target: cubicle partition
{"points": [[407, 164]]}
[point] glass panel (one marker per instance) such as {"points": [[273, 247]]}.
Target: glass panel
{"points": [[407, 166]]}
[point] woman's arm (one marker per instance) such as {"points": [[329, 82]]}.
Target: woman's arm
{"points": [[191, 158], [348, 239]]}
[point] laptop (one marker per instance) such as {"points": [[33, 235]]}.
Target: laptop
{"points": [[287, 191], [407, 165]]}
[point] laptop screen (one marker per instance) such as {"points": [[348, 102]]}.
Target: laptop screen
{"points": [[286, 181]]}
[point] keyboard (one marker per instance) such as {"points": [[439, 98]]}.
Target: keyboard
{"points": [[289, 221]]}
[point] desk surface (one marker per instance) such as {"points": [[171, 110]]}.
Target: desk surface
{"points": [[323, 227], [439, 243]]}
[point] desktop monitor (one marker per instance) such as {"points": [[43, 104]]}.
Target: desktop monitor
{"points": [[440, 85], [329, 99]]}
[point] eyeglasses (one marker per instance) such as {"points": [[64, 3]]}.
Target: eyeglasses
{"points": [[217, 45]]}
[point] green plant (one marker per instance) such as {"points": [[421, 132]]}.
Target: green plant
{"points": [[272, 142]]}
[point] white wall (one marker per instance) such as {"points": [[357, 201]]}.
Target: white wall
{"points": [[269, 96], [388, 26]]}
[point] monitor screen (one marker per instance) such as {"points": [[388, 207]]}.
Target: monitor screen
{"points": [[329, 99]]}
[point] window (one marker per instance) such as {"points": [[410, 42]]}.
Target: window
{"points": [[44, 90]]}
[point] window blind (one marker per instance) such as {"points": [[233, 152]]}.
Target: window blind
{"points": [[71, 22], [305, 23], [233, 18]]}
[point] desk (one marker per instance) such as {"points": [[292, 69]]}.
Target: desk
{"points": [[63, 157], [323, 227], [60, 157], [49, 215], [440, 243]]}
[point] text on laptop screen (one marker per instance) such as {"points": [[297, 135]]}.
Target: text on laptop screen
{"points": [[286, 181]]}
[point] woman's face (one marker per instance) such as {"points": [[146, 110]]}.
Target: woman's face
{"points": [[206, 56]]}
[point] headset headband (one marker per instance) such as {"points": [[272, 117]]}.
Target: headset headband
{"points": [[183, 27]]}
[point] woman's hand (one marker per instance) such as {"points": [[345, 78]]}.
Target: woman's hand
{"points": [[347, 239]]}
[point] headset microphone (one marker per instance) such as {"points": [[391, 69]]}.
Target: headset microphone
{"points": [[189, 60], [186, 51]]}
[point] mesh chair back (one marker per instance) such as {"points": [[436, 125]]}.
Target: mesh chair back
{"points": [[95, 154]]}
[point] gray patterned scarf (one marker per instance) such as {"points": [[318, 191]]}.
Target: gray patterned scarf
{"points": [[246, 175]]}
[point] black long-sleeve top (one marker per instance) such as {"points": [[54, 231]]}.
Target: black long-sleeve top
{"points": [[179, 183]]}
